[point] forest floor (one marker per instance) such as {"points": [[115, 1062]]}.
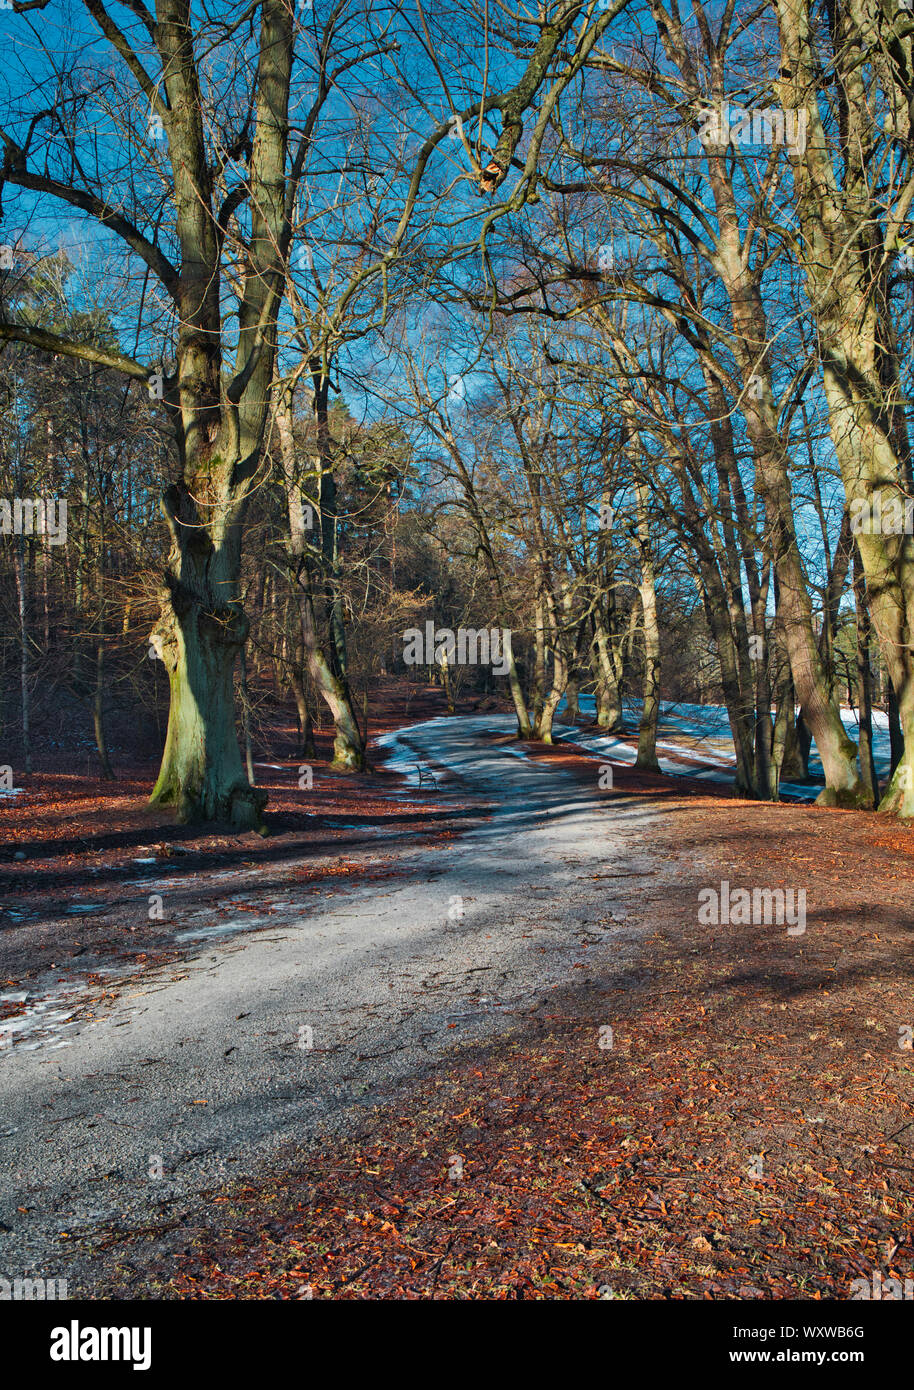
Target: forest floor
{"points": [[75, 846], [639, 1106]]}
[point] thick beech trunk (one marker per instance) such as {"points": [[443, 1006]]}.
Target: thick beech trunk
{"points": [[199, 636], [201, 772]]}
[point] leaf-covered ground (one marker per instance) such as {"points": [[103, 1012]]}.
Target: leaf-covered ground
{"points": [[749, 1132], [76, 851]]}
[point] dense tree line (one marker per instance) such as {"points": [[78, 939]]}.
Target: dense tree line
{"points": [[587, 322]]}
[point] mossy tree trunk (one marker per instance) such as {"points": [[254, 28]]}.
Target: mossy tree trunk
{"points": [[219, 419], [199, 636]]}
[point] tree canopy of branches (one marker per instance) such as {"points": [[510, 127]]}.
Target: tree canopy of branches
{"points": [[587, 321]]}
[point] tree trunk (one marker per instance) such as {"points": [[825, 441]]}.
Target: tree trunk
{"points": [[650, 712], [21, 585], [98, 710], [605, 665], [445, 668], [793, 765], [896, 737], [542, 725], [524, 728], [348, 749], [864, 689], [246, 718], [326, 659], [305, 722], [572, 708], [98, 699], [837, 752], [783, 724], [199, 635], [848, 271], [538, 691]]}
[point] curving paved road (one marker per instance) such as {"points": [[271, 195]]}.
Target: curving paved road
{"points": [[203, 1076]]}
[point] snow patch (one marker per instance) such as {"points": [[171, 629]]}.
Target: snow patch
{"points": [[219, 929], [704, 743], [49, 1016]]}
